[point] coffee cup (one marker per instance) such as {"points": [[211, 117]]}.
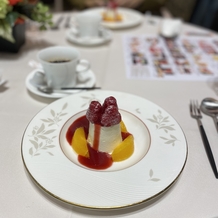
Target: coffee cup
{"points": [[87, 24], [62, 66]]}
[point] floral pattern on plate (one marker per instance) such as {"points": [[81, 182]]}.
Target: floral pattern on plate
{"points": [[41, 139]]}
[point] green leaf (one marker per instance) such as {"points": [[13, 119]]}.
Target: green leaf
{"points": [[155, 118], [173, 137], [31, 151], [50, 153], [165, 119], [36, 154], [50, 146], [151, 173], [41, 14], [63, 114], [167, 127], [85, 97], [163, 138], [153, 121], [155, 179], [42, 137], [47, 121], [42, 127], [52, 113], [64, 107], [49, 131], [169, 142], [138, 110], [83, 105], [34, 143], [12, 17], [6, 31]]}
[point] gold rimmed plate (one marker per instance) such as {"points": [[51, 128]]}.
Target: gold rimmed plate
{"points": [[155, 131]]}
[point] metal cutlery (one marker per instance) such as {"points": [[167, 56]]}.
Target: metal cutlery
{"points": [[49, 90], [209, 106], [57, 23], [67, 22], [196, 114]]}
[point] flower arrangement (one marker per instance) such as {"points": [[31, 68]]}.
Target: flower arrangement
{"points": [[14, 12]]}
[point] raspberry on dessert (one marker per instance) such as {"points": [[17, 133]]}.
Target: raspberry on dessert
{"points": [[105, 115], [94, 112], [109, 101], [111, 116]]}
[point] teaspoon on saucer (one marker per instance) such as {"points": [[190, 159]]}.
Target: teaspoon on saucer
{"points": [[64, 90]]}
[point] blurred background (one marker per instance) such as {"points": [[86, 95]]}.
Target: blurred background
{"points": [[203, 13]]}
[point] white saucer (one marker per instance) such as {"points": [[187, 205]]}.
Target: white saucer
{"points": [[33, 87], [71, 35]]}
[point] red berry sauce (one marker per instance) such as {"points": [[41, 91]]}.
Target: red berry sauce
{"points": [[100, 115], [97, 160]]}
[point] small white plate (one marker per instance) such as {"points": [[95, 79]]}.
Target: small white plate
{"points": [[125, 183], [130, 18], [71, 36], [33, 88]]}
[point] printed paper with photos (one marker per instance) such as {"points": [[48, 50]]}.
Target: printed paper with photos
{"points": [[184, 58]]}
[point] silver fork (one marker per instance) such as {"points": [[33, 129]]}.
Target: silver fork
{"points": [[196, 114], [67, 22], [57, 23]]}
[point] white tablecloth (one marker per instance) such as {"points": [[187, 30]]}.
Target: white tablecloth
{"points": [[195, 194]]}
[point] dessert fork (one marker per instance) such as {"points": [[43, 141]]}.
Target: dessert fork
{"points": [[57, 23], [67, 22], [196, 114]]}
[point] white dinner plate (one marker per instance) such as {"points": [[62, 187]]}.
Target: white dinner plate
{"points": [[33, 88], [88, 41], [123, 185], [131, 18]]}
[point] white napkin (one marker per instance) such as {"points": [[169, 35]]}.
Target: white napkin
{"points": [[170, 27]]}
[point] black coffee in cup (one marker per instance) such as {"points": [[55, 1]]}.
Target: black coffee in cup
{"points": [[59, 61]]}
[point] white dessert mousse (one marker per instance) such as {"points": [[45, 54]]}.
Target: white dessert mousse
{"points": [[104, 125]]}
